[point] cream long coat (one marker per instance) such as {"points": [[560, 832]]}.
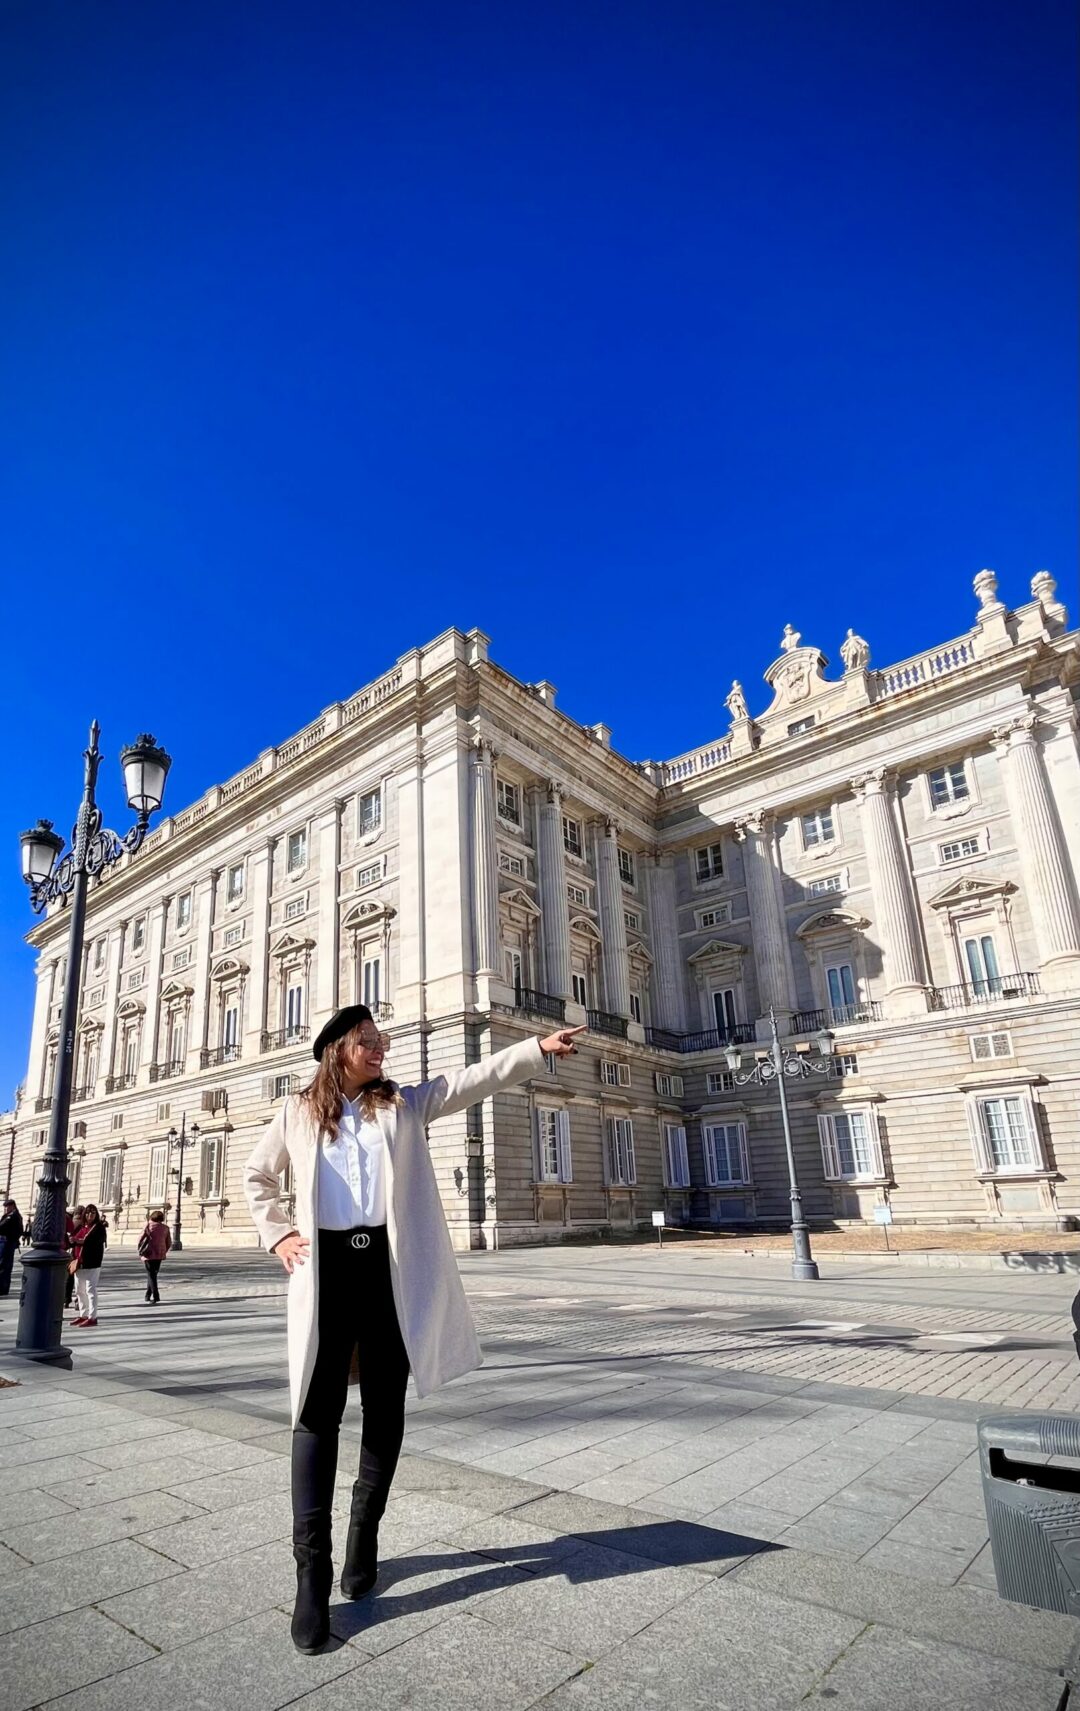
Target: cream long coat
{"points": [[432, 1311]]}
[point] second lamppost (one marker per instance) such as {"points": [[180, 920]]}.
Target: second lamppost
{"points": [[778, 1065], [182, 1141]]}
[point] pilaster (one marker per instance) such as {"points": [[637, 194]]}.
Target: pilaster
{"points": [[551, 884], [203, 910], [328, 832], [485, 860], [1048, 883], [772, 953], [906, 992], [616, 960], [155, 963], [669, 998], [259, 966]]}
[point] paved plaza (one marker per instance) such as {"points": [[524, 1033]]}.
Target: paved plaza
{"points": [[678, 1480]]}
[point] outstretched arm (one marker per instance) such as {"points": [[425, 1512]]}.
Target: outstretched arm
{"points": [[450, 1093]]}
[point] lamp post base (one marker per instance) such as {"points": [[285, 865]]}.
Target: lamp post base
{"points": [[48, 1357], [41, 1307], [804, 1270]]}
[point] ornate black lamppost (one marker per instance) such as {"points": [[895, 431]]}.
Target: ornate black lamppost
{"points": [[776, 1067], [178, 1171], [52, 877]]}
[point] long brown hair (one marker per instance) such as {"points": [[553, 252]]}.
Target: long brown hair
{"points": [[324, 1096]]}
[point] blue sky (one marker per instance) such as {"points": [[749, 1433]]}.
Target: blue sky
{"points": [[627, 332]]}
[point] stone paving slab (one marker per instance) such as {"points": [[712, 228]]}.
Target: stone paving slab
{"points": [[893, 1672], [183, 1608], [65, 1652], [31, 1595], [79, 1531]]}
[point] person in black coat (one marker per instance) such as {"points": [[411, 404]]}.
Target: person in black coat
{"points": [[11, 1229]]}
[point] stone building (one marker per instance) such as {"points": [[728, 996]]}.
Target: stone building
{"points": [[888, 854]]}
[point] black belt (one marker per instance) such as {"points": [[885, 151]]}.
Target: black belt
{"points": [[361, 1239]]}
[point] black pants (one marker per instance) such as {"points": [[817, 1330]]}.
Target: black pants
{"points": [[153, 1266], [7, 1262], [356, 1311]]}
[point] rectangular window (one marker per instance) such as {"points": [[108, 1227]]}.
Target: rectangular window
{"points": [[715, 917], [138, 933], [614, 1074], [182, 958], [163, 1111], [720, 1081], [230, 1028], [369, 812], [514, 970], [99, 956], [134, 981], [840, 982], [211, 1172], [817, 828], [155, 1192], [626, 866], [571, 833], [959, 849], [183, 909], [233, 935], [295, 908], [949, 784], [369, 875], [553, 1144], [511, 864], [980, 957], [635, 1007], [676, 1163], [633, 921], [116, 1121], [850, 1148], [294, 1010], [578, 895], [709, 862], [508, 801], [798, 726], [723, 1003], [622, 1169], [551, 1063], [371, 982], [822, 887], [727, 1162], [1007, 1133], [296, 851], [175, 1041], [234, 883], [281, 1086], [985, 1046], [111, 1168], [131, 1055], [844, 1064], [669, 1086], [581, 990]]}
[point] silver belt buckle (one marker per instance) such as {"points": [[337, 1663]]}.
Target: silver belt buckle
{"points": [[361, 1240]]}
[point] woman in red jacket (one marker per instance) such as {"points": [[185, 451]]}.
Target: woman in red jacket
{"points": [[154, 1244]]}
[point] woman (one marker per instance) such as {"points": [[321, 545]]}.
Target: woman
{"points": [[89, 1251], [154, 1244], [382, 1283], [73, 1222]]}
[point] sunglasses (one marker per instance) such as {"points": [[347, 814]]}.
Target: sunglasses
{"points": [[375, 1042]]}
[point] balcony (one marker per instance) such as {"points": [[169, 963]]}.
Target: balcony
{"points": [[210, 1059], [996, 989], [602, 1022], [79, 1095], [540, 1004], [119, 1083], [44, 1104], [834, 1016], [706, 1040], [166, 1071], [273, 1041]]}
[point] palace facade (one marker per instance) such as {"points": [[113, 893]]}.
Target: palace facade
{"points": [[887, 854]]}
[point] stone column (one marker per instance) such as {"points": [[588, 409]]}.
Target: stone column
{"points": [[39, 1032], [112, 997], [772, 953], [1048, 882], [154, 967], [669, 998], [324, 1001], [551, 884], [203, 910], [894, 900], [612, 919], [485, 860], [255, 1010]]}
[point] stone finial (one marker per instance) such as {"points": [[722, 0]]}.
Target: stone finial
{"points": [[985, 586], [854, 652], [789, 640], [735, 702], [1043, 588]]}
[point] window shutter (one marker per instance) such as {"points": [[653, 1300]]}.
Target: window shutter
{"points": [[830, 1158], [659, 1080], [563, 1135], [1035, 1149], [631, 1167], [677, 1086], [612, 1152], [710, 1155], [875, 1142], [984, 1160], [744, 1154], [624, 1075]]}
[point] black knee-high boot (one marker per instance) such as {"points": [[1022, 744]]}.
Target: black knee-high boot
{"points": [[314, 1463], [369, 1499]]}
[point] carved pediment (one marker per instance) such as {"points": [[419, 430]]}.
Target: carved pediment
{"points": [[717, 948], [965, 892], [515, 898], [638, 951], [829, 920], [174, 991], [227, 966], [129, 1009], [795, 678], [588, 929], [290, 945], [363, 914]]}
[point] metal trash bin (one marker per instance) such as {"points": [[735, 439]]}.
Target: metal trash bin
{"points": [[1031, 1485]]}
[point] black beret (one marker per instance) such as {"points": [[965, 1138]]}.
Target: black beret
{"points": [[339, 1024]]}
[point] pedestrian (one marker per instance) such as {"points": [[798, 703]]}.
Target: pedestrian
{"points": [[89, 1251], [381, 1295], [154, 1244], [11, 1230], [73, 1221]]}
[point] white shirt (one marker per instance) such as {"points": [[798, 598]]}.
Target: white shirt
{"points": [[352, 1177]]}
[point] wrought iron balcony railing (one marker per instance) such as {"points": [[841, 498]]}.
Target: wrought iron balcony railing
{"points": [[271, 1041], [705, 1040], [118, 1083], [166, 1071], [996, 989], [44, 1104], [835, 1016], [602, 1022], [79, 1095], [540, 1003], [209, 1059]]}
